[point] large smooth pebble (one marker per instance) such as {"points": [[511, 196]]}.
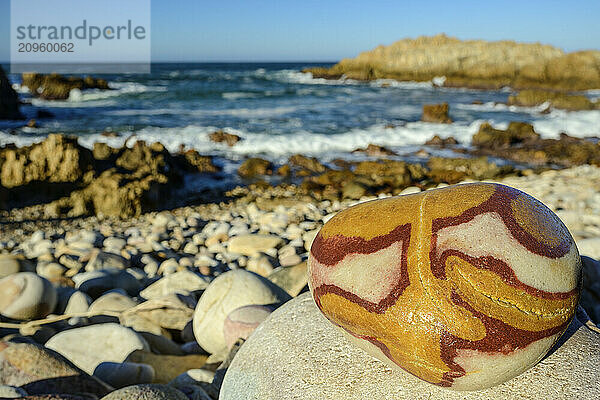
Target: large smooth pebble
{"points": [[464, 287], [229, 291], [25, 295], [297, 354], [89, 346]]}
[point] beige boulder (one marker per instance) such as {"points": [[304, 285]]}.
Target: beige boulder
{"points": [[229, 291], [297, 353]]}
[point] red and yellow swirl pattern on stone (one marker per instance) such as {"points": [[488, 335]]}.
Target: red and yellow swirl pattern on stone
{"points": [[464, 287]]}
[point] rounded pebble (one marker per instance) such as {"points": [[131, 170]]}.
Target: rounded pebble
{"points": [[26, 295], [464, 287], [229, 291]]}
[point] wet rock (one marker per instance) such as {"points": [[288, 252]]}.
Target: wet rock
{"points": [[254, 167], [227, 292], [284, 170], [374, 150], [57, 87], [57, 159], [442, 142], [517, 132], [353, 190], [39, 370], [524, 145], [9, 100], [199, 163], [26, 295], [454, 170], [310, 164], [437, 113], [530, 98], [89, 346], [222, 136]]}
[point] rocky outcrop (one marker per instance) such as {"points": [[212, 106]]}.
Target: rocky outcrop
{"points": [[571, 102], [306, 164], [436, 113], [74, 181], [520, 143], [391, 176], [436, 140], [473, 63], [223, 137], [58, 87], [517, 132], [58, 159], [374, 150], [9, 101], [254, 167]]}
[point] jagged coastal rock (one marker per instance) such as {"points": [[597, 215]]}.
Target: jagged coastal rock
{"points": [[473, 63], [74, 180], [58, 87], [9, 100], [464, 287]]}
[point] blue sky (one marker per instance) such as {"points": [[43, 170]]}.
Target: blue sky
{"points": [[328, 30]]}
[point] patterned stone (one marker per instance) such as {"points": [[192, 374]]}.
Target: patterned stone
{"points": [[464, 287]]}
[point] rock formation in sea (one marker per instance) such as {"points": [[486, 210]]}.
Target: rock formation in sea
{"points": [[58, 87], [473, 63], [9, 100]]}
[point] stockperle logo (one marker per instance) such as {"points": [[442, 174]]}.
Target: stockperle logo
{"points": [[80, 36]]}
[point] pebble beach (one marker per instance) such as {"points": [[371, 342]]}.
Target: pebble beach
{"points": [[119, 296], [162, 248]]}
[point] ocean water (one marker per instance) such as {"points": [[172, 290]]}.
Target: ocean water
{"points": [[278, 111]]}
